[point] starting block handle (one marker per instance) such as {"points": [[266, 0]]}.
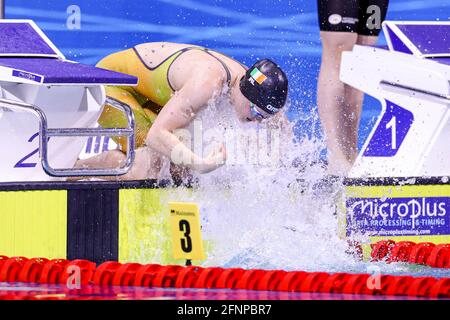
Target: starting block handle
{"points": [[45, 133]]}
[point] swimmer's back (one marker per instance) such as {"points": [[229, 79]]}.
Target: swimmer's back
{"points": [[150, 63], [164, 67]]}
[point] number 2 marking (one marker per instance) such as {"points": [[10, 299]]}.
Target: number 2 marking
{"points": [[392, 124], [21, 163], [186, 244]]}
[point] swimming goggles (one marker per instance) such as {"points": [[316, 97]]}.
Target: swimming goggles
{"points": [[256, 114]]}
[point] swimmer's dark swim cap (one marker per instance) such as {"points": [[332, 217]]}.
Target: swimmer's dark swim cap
{"points": [[265, 85]]}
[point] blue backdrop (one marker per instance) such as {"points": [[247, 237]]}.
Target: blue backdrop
{"points": [[284, 30]]}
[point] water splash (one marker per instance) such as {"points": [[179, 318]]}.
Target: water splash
{"points": [[280, 215], [273, 215]]}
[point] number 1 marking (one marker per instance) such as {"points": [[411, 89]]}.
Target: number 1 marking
{"points": [[392, 124]]}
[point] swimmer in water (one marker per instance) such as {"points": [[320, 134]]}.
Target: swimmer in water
{"points": [[175, 81]]}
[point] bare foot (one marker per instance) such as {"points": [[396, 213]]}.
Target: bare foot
{"points": [[146, 165]]}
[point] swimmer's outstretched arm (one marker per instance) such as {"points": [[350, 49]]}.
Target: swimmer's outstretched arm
{"points": [[178, 114]]}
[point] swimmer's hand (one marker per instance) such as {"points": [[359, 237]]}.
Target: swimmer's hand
{"points": [[214, 160]]}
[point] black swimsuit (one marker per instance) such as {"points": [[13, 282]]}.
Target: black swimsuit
{"points": [[360, 16]]}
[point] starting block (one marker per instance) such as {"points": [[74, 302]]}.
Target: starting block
{"points": [[411, 79], [66, 98], [399, 185]]}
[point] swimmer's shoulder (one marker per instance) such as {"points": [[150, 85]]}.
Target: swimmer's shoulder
{"points": [[161, 47], [154, 53]]}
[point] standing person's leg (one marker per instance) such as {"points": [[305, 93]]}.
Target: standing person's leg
{"points": [[338, 24], [353, 106], [371, 15], [334, 110], [343, 23]]}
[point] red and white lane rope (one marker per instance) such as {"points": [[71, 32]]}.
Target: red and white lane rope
{"points": [[41, 270]]}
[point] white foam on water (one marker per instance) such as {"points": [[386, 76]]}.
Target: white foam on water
{"points": [[273, 215], [276, 215]]}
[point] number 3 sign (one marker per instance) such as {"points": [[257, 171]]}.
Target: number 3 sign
{"points": [[187, 237], [390, 133]]}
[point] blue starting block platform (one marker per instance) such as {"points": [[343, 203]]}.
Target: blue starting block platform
{"points": [[66, 97], [421, 39], [28, 56], [23, 38]]}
